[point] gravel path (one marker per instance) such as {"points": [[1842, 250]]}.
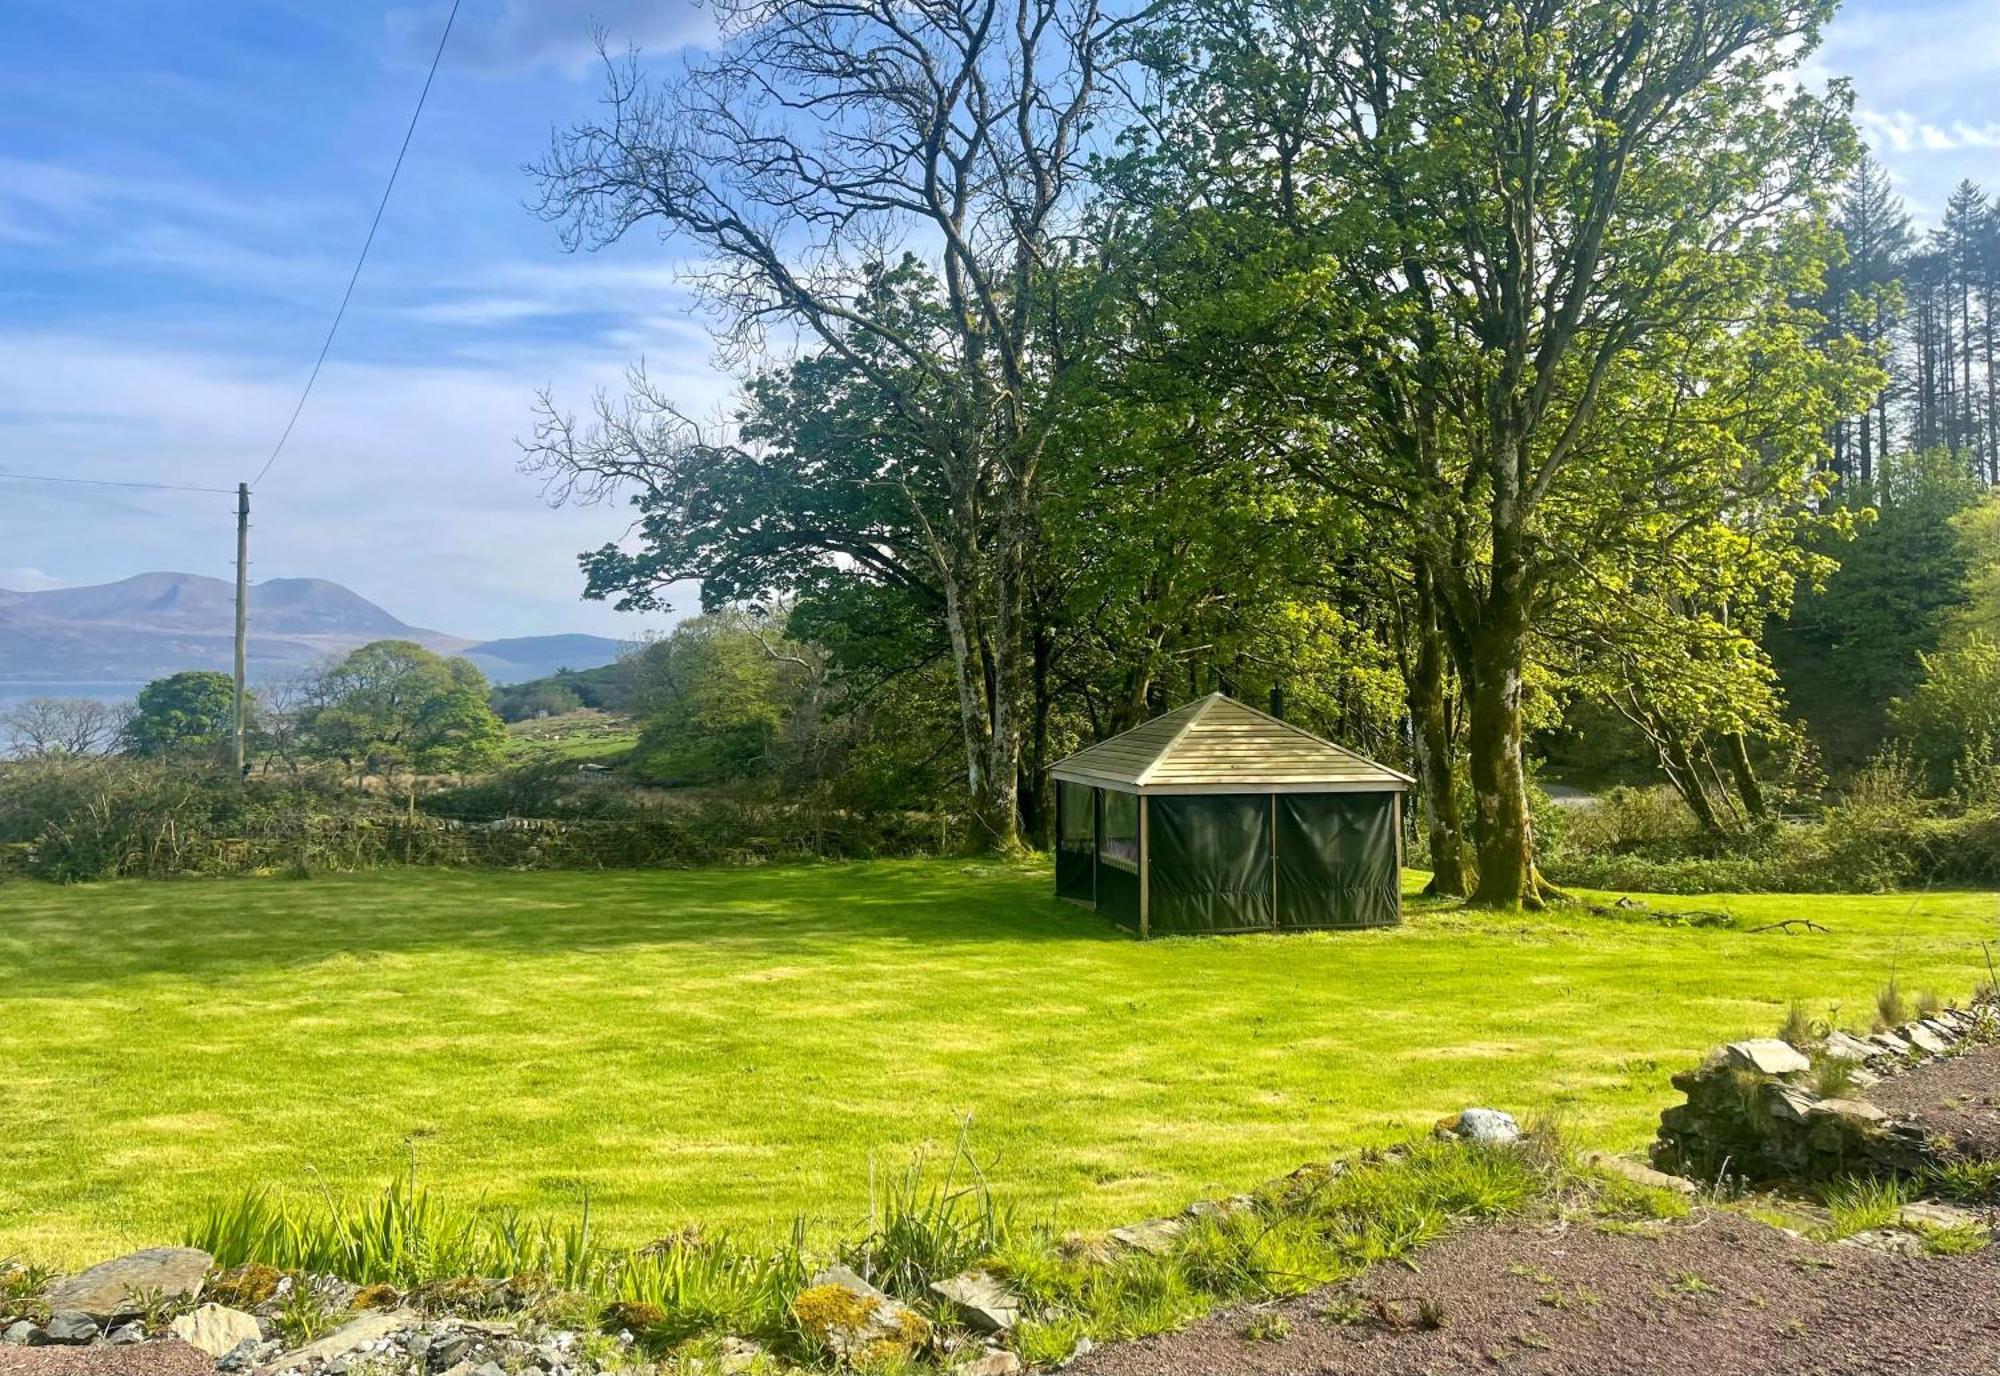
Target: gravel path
{"points": [[169, 1358], [1718, 1295], [1958, 1096]]}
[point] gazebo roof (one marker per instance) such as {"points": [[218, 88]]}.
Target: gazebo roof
{"points": [[1218, 745]]}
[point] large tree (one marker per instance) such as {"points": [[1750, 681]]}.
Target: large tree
{"points": [[1558, 246], [392, 704], [817, 147], [184, 714]]}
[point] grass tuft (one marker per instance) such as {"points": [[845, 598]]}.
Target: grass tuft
{"points": [[687, 1289], [1832, 1076], [928, 1228], [404, 1237], [1861, 1203], [1798, 1027], [1891, 1008]]}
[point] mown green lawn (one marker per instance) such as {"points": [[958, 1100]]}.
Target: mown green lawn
{"points": [[738, 1046]]}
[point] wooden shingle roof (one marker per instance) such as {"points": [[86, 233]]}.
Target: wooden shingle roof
{"points": [[1218, 745]]}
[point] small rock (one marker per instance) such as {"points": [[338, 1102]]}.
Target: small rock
{"points": [[1842, 1046], [995, 1363], [1889, 1043], [1924, 1039], [1855, 1110], [489, 1369], [1156, 1235], [1789, 1103], [125, 1334], [984, 1300], [739, 1355], [1638, 1173], [72, 1328], [241, 1357], [1927, 1213], [1220, 1208], [1767, 1056], [1488, 1125], [345, 1339], [105, 1290], [24, 1334], [1886, 1240], [449, 1350], [216, 1330]]}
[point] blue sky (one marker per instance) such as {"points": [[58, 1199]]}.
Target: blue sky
{"points": [[183, 186]]}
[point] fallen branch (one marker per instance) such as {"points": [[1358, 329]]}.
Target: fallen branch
{"points": [[1788, 924]]}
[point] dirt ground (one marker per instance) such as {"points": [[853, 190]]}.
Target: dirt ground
{"points": [[1958, 1096], [1715, 1295], [142, 1359]]}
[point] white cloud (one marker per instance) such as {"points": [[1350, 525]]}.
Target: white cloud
{"points": [[400, 482], [1901, 131], [1927, 82], [504, 37], [24, 579]]}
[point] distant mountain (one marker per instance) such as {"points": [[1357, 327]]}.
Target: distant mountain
{"points": [[158, 623]]}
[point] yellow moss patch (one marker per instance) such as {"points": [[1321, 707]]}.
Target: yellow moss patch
{"points": [[245, 1286], [634, 1315], [829, 1313], [377, 1297]]}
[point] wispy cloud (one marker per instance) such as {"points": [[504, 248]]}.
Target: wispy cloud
{"points": [[401, 480], [1901, 131], [506, 37], [24, 579]]}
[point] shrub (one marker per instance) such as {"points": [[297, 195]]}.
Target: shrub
{"points": [[69, 821]]}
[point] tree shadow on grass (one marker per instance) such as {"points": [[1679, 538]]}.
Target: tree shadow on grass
{"points": [[55, 938]]}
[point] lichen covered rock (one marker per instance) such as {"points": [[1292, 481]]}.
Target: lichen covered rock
{"points": [[856, 1322]]}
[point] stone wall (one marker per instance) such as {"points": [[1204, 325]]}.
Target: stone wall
{"points": [[1753, 1112]]}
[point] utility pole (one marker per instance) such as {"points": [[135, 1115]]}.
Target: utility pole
{"points": [[242, 612]]}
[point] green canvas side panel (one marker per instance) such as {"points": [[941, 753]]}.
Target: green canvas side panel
{"points": [[1337, 860], [1117, 870], [1076, 841], [1210, 857]]}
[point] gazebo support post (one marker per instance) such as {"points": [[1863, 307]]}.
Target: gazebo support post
{"points": [[1145, 870]]}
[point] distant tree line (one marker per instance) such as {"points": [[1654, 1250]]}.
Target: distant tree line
{"points": [[1926, 305], [388, 707]]}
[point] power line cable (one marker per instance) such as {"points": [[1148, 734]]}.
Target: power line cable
{"points": [[10, 476], [367, 243]]}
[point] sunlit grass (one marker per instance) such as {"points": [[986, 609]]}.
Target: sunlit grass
{"points": [[735, 1047]]}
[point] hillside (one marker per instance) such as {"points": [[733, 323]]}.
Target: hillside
{"points": [[157, 623]]}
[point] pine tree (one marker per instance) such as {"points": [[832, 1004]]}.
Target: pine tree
{"points": [[1865, 299]]}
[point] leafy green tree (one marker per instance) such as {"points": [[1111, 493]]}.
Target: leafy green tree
{"points": [[542, 697], [715, 698], [1952, 719], [392, 704], [1552, 260], [1854, 644], [1978, 530], [184, 714]]}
